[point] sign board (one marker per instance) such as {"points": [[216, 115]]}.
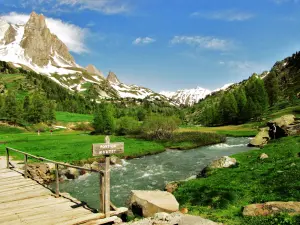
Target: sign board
{"points": [[108, 148]]}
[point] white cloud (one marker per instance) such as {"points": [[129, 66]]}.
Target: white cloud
{"points": [[104, 6], [227, 15], [202, 42], [72, 35], [143, 41]]}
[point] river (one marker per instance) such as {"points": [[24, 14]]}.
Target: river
{"points": [[151, 172]]}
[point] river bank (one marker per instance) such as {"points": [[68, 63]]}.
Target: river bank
{"points": [[223, 195]]}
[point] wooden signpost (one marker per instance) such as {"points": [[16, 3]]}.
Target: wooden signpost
{"points": [[106, 149]]}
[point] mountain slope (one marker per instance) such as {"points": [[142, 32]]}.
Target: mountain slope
{"points": [[192, 96], [33, 47]]}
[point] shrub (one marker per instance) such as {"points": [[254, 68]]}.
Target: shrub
{"points": [[127, 125], [160, 128]]}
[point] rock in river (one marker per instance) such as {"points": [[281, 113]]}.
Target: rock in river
{"points": [[147, 203]]}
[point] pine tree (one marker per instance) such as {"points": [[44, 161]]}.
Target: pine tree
{"points": [[228, 108], [26, 107], [272, 87], [37, 111], [10, 109], [241, 100]]}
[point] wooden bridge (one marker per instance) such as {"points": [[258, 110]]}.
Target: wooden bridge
{"points": [[24, 201]]}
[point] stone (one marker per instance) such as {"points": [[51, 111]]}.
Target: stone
{"points": [[263, 156], [195, 220], [184, 210], [40, 172], [171, 187], [162, 216], [95, 165], [147, 203], [223, 162], [261, 138], [285, 120], [93, 70], [270, 208], [114, 160]]}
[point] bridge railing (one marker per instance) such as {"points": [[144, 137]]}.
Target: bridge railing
{"points": [[57, 164]]}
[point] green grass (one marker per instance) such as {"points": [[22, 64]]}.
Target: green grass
{"points": [[232, 131], [71, 147], [222, 196], [73, 117], [4, 129], [192, 139]]}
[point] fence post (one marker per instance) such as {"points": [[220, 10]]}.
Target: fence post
{"points": [[107, 186], [7, 158], [101, 193], [25, 166], [57, 180]]}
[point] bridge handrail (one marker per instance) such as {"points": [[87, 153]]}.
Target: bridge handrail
{"points": [[47, 160]]}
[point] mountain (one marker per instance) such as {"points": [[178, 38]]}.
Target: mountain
{"points": [[190, 96], [32, 46]]}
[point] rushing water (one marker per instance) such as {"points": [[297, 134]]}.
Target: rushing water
{"points": [[151, 172]]}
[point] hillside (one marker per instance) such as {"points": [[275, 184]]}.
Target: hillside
{"points": [[251, 99]]}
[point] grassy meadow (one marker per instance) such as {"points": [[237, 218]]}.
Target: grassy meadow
{"points": [[71, 147], [222, 196], [67, 117]]}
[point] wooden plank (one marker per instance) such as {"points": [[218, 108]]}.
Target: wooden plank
{"points": [[10, 174], [17, 187], [108, 148], [68, 216], [102, 221], [85, 219], [24, 202], [16, 182], [22, 190], [47, 205], [22, 196]]}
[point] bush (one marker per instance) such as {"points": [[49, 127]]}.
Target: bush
{"points": [[160, 128], [83, 126], [127, 125]]}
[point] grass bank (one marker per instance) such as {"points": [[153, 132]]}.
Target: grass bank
{"points": [[72, 147], [231, 131], [222, 196], [192, 139]]}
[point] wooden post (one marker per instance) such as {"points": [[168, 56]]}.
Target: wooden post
{"points": [[101, 192], [7, 158], [57, 180], [25, 165], [107, 186]]}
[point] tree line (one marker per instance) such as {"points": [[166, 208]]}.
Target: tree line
{"points": [[34, 108], [242, 103]]}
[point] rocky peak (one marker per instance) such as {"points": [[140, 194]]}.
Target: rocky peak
{"points": [[93, 70], [43, 47], [10, 35], [112, 78]]}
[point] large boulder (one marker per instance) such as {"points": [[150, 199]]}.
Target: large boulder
{"points": [[261, 138], [40, 172], [147, 203], [114, 160], [285, 120], [223, 162], [270, 208]]}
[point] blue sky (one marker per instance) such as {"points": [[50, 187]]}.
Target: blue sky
{"points": [[174, 44]]}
